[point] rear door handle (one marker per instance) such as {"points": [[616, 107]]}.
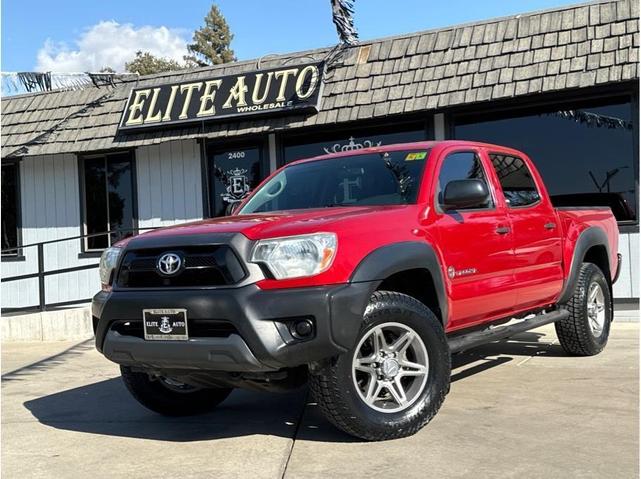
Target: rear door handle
{"points": [[549, 226], [503, 230]]}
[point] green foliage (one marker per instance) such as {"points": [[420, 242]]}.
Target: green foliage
{"points": [[146, 64], [212, 41], [211, 47]]}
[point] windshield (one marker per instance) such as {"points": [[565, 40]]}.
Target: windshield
{"points": [[386, 178]]}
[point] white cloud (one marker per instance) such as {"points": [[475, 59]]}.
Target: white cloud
{"points": [[109, 43]]}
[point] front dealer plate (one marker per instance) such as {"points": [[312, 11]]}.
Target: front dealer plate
{"points": [[165, 324]]}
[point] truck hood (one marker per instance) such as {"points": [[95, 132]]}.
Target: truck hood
{"points": [[281, 223]]}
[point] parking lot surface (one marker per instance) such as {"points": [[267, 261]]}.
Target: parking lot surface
{"points": [[517, 408]]}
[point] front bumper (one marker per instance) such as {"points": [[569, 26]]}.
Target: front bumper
{"points": [[261, 342]]}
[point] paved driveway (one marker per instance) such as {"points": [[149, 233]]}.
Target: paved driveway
{"points": [[516, 409]]}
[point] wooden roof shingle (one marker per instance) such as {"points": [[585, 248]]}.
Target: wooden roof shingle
{"points": [[576, 46]]}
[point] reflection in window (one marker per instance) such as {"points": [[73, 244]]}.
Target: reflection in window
{"points": [[516, 180], [389, 178], [584, 151], [336, 144], [108, 187], [10, 208]]}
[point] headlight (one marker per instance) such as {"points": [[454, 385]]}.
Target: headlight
{"points": [[296, 256], [108, 262]]}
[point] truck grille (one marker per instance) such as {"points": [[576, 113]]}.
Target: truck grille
{"points": [[209, 265], [197, 328]]}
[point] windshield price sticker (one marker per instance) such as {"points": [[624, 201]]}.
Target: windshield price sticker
{"points": [[416, 156]]}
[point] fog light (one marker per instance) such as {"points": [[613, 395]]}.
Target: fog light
{"points": [[302, 328]]}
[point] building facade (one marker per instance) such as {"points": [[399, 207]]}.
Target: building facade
{"points": [[560, 85]]}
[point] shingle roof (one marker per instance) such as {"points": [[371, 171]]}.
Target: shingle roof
{"points": [[572, 47]]}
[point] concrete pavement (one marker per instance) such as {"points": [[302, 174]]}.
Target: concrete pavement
{"points": [[518, 408]]}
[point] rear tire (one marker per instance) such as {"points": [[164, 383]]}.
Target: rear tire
{"points": [[169, 398], [585, 332], [358, 392]]}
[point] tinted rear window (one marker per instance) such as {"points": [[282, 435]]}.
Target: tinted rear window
{"points": [[516, 180]]}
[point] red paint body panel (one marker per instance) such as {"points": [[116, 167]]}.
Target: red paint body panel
{"points": [[575, 221], [515, 272], [468, 239], [538, 262]]}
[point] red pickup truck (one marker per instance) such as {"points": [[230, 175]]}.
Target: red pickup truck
{"points": [[361, 273]]}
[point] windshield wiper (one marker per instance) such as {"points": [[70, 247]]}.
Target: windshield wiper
{"points": [[334, 205]]}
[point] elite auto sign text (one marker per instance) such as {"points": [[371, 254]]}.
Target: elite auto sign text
{"points": [[264, 91]]}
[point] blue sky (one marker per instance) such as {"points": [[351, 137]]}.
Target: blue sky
{"points": [[75, 35]]}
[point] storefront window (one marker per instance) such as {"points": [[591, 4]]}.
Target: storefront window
{"points": [[10, 208], [584, 151], [296, 150], [109, 205], [233, 174]]}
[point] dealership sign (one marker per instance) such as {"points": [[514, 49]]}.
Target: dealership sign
{"points": [[259, 92]]}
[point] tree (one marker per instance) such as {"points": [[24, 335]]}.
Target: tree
{"points": [[106, 70], [146, 64], [212, 41]]}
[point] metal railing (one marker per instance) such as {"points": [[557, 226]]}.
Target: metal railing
{"points": [[41, 273]]}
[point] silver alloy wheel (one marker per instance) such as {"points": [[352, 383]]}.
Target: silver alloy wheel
{"points": [[596, 309], [390, 367]]}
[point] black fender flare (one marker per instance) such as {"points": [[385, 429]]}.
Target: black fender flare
{"points": [[398, 257], [592, 236]]}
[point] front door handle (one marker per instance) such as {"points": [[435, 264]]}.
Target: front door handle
{"points": [[503, 230], [549, 226]]}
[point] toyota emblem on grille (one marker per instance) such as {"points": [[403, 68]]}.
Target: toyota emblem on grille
{"points": [[169, 264]]}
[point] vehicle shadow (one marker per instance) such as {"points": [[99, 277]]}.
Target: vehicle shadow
{"points": [[495, 354], [479, 360], [106, 408]]}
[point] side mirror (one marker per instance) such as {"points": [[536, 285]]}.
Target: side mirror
{"points": [[465, 194]]}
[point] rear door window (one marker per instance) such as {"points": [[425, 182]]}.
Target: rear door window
{"points": [[516, 180]]}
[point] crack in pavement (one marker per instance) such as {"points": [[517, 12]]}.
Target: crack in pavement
{"points": [[295, 435]]}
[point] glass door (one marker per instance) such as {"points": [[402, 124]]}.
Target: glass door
{"points": [[233, 173]]}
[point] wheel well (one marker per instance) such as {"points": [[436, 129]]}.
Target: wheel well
{"points": [[598, 255], [417, 283]]}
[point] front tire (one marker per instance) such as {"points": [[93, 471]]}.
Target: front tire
{"points": [[395, 379], [585, 332], [170, 398]]}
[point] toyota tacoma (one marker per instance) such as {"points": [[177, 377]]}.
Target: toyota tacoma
{"points": [[360, 273]]}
